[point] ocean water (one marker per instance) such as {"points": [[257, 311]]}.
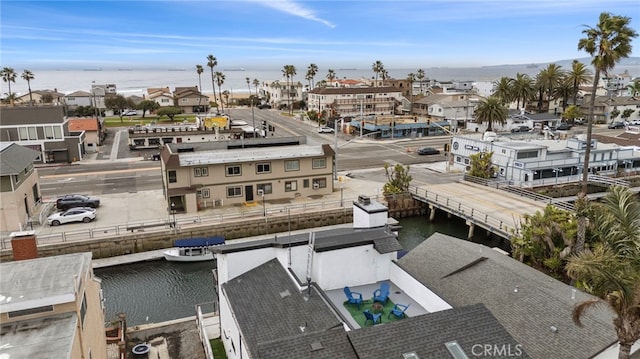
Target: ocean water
{"points": [[135, 81]]}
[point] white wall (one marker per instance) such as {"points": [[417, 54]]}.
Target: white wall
{"points": [[298, 260], [349, 267], [242, 262], [362, 219], [229, 332], [418, 292]]}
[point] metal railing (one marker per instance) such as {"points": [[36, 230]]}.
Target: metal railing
{"points": [[484, 220], [182, 222]]}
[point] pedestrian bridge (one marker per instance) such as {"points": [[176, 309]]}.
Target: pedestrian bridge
{"points": [[493, 209]]}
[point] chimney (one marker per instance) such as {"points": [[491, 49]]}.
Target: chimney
{"points": [[24, 245]]}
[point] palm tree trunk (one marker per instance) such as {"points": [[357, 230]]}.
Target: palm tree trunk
{"points": [[625, 351], [30, 97], [213, 85], [587, 152]]}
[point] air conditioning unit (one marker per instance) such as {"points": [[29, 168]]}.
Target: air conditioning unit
{"points": [[260, 192], [316, 185]]}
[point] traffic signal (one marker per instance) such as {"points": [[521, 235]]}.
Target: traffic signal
{"points": [[264, 125]]}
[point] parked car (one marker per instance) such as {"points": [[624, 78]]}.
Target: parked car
{"points": [[521, 129], [264, 105], [635, 123], [564, 127], [428, 151], [77, 200], [325, 130], [616, 125], [78, 214], [130, 113]]}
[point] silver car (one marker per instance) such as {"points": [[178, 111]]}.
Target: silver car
{"points": [[78, 214]]}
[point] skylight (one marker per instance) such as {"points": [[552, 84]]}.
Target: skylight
{"points": [[456, 350]]}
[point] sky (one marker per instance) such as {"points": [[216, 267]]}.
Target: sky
{"points": [[150, 34]]}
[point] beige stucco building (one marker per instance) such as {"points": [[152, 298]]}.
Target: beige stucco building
{"points": [[51, 307], [19, 186], [200, 175]]}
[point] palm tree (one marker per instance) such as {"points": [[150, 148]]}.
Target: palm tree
{"points": [[220, 77], [256, 83], [331, 75], [503, 89], [312, 71], [634, 88], [611, 271], [378, 68], [9, 76], [420, 77], [546, 80], [248, 84], [411, 78], [578, 75], [564, 90], [27, 75], [491, 110], [607, 43], [212, 62], [289, 71], [523, 89], [199, 71]]}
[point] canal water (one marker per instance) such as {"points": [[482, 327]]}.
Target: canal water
{"points": [[158, 291]]}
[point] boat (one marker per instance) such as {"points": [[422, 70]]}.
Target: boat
{"points": [[192, 249], [235, 69], [532, 66]]}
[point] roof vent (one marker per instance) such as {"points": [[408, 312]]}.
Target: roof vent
{"points": [[315, 346], [285, 293], [364, 200], [410, 355]]}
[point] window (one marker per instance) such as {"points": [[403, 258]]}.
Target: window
{"points": [[83, 309], [293, 165], [305, 183], [263, 167], [234, 191], [290, 186], [320, 163], [526, 154], [184, 99], [201, 171], [203, 193], [319, 183], [30, 311], [234, 171], [173, 177], [52, 132], [265, 187]]}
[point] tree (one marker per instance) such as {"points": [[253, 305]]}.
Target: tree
{"points": [[312, 71], [614, 114], [220, 77], [420, 77], [248, 84], [331, 75], [611, 270], [411, 78], [118, 104], [481, 165], [226, 94], [289, 71], [523, 89], [256, 83], [27, 75], [170, 112], [398, 179], [378, 68], [503, 89], [491, 110], [607, 42], [9, 76], [578, 76], [563, 90], [572, 112], [546, 80], [211, 63], [634, 88], [627, 113], [199, 71], [148, 105]]}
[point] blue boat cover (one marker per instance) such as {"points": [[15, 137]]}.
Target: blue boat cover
{"points": [[199, 242]]}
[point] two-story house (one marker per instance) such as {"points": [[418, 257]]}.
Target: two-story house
{"points": [[160, 95], [190, 100], [19, 187], [94, 132], [41, 97], [51, 307], [456, 108], [356, 101], [200, 175], [281, 94], [44, 129]]}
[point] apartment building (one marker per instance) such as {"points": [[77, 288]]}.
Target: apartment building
{"points": [[356, 101], [19, 187], [51, 307], [201, 175], [190, 100]]}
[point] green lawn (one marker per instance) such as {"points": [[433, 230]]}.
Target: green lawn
{"points": [[366, 304], [218, 349], [128, 121]]}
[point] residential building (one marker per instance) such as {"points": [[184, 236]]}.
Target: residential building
{"points": [[51, 308], [78, 98], [44, 129], [531, 162], [281, 94], [190, 100], [42, 97], [93, 130], [455, 108], [162, 96], [19, 186], [101, 92], [605, 105], [401, 126], [356, 101], [206, 174]]}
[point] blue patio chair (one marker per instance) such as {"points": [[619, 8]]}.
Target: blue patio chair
{"points": [[381, 294], [398, 310], [353, 297], [374, 318]]}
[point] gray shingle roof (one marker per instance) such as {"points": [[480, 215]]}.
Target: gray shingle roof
{"points": [[529, 313], [268, 306], [15, 158], [427, 334], [329, 344]]}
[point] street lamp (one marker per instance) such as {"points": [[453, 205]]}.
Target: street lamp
{"points": [[557, 171], [264, 208], [253, 118], [361, 97], [173, 214]]}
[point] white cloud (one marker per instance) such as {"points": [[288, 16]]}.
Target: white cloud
{"points": [[295, 9]]}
